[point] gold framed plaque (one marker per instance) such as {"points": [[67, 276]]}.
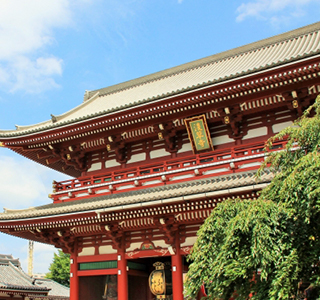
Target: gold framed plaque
{"points": [[199, 134]]}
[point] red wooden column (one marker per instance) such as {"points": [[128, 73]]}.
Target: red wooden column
{"points": [[122, 275], [74, 279], [177, 270]]}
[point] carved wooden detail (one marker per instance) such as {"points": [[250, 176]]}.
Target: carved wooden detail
{"points": [[72, 156], [115, 234], [168, 227], [170, 135], [62, 239], [232, 117], [298, 100], [121, 149]]}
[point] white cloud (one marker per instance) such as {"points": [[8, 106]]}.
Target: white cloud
{"points": [[19, 248], [42, 257], [270, 9], [24, 183], [26, 28], [33, 76], [19, 183]]}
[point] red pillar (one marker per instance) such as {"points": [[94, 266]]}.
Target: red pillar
{"points": [[122, 276], [74, 279], [177, 270]]}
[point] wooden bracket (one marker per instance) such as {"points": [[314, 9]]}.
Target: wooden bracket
{"points": [[118, 145], [168, 133], [232, 117], [298, 100], [167, 226], [115, 233], [62, 239], [72, 156]]}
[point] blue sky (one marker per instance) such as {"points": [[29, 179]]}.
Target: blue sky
{"points": [[52, 51]]}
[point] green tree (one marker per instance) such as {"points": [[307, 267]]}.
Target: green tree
{"points": [[277, 234], [60, 268]]}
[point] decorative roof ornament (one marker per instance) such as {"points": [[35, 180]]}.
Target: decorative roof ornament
{"points": [[53, 118], [86, 95]]}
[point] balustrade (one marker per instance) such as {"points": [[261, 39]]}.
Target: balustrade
{"points": [[231, 160]]}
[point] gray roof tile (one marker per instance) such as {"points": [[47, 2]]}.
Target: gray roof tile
{"points": [[56, 289], [13, 277]]}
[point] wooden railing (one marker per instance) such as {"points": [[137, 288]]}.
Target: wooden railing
{"points": [[231, 160]]}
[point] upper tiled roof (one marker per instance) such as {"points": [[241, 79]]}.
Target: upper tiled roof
{"points": [[265, 54], [218, 185]]}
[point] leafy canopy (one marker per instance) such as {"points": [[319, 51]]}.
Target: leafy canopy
{"points": [[264, 247], [60, 268]]}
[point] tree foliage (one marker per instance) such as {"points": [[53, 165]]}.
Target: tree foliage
{"points": [[60, 268], [276, 236]]}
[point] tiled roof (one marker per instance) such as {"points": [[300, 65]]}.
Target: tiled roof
{"points": [[149, 196], [56, 289], [285, 48], [12, 277], [6, 258]]}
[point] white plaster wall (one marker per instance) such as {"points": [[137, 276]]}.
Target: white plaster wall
{"points": [[102, 191], [185, 148], [134, 246], [158, 153], [161, 244], [107, 250], [111, 163], [278, 127], [189, 241], [95, 166], [257, 132], [124, 187], [221, 140], [137, 157], [87, 251]]}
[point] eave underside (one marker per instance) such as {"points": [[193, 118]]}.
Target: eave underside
{"points": [[236, 97]]}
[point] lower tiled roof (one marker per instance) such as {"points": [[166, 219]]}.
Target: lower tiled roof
{"points": [[56, 289], [227, 184], [12, 277]]}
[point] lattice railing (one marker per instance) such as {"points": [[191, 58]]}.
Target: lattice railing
{"points": [[215, 163]]}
